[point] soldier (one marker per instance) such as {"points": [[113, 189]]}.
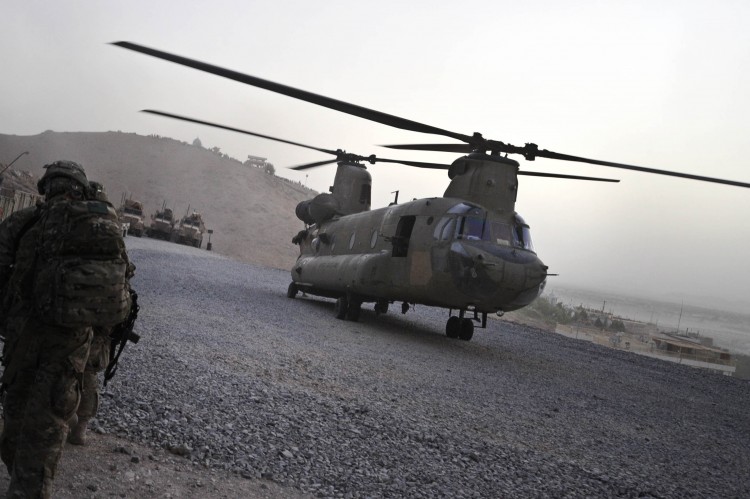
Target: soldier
{"points": [[98, 359], [45, 352]]}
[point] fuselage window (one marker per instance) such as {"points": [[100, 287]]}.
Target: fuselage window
{"points": [[448, 230], [522, 237], [333, 243], [439, 228], [501, 233], [374, 238], [351, 240], [474, 229]]}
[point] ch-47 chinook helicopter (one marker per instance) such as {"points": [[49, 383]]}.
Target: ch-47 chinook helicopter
{"points": [[467, 251]]}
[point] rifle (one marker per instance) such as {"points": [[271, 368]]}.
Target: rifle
{"points": [[120, 335]]}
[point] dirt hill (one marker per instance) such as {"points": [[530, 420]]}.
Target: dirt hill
{"points": [[251, 212]]}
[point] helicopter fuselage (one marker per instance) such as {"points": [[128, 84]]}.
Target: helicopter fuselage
{"points": [[443, 252]]}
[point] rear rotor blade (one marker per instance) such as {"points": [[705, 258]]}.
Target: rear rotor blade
{"points": [[232, 129], [313, 165], [418, 164], [560, 175], [344, 107]]}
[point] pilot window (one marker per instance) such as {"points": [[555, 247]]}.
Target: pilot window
{"points": [[474, 229], [501, 233], [449, 228], [522, 234]]}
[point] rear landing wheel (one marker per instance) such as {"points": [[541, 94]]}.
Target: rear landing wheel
{"points": [[452, 327], [466, 329], [352, 313], [381, 307], [342, 305]]}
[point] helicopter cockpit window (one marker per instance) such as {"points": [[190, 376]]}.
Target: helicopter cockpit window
{"points": [[474, 228], [501, 233], [465, 208], [449, 229], [522, 234]]}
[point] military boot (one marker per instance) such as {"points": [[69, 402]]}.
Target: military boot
{"points": [[77, 435]]}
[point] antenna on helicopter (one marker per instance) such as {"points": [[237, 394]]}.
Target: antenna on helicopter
{"points": [[395, 201]]}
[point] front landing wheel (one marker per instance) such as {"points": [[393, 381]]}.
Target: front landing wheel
{"points": [[466, 329], [452, 327], [291, 291]]}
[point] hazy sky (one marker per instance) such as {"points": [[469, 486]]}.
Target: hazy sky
{"points": [[653, 83]]}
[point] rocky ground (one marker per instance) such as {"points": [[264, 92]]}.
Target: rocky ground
{"points": [[237, 391]]}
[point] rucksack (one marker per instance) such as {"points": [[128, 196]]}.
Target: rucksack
{"points": [[80, 269]]}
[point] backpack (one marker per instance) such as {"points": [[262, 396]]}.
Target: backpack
{"points": [[80, 265]]}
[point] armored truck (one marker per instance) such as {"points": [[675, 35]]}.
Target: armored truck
{"points": [[162, 225], [130, 212], [190, 231]]}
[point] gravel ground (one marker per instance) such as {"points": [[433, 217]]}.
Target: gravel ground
{"points": [[235, 376]]}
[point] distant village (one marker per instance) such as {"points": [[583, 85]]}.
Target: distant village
{"points": [[643, 338]]}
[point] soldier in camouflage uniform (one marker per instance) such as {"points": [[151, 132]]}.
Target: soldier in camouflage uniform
{"points": [[44, 364], [98, 358]]}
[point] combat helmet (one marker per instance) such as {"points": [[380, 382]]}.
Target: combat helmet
{"points": [[97, 191], [64, 170]]}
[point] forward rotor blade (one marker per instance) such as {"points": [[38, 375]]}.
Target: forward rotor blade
{"points": [[232, 129], [476, 141], [566, 157], [313, 165], [560, 175], [344, 107]]}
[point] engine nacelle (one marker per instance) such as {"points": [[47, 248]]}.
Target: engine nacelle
{"points": [[319, 209]]}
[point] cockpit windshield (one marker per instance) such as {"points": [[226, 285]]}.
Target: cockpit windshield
{"points": [[472, 223], [474, 228], [522, 234]]}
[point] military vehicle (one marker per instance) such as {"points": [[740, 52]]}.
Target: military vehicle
{"points": [[162, 224], [130, 212], [468, 251], [190, 230]]}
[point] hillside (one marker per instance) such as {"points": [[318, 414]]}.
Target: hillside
{"points": [[250, 211]]}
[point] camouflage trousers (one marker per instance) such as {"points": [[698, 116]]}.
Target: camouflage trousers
{"points": [[43, 377], [96, 363]]}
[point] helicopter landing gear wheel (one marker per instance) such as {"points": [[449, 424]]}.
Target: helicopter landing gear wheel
{"points": [[466, 329], [352, 312], [291, 291], [381, 307], [342, 305], [452, 327]]}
